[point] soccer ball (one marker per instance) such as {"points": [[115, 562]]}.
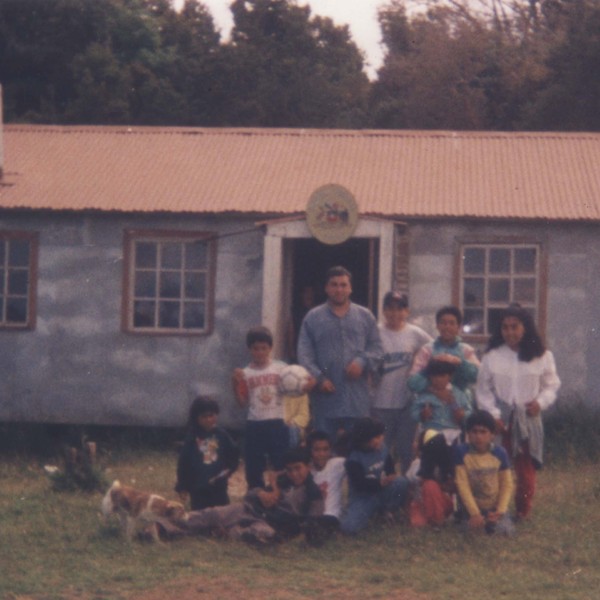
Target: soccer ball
{"points": [[293, 380]]}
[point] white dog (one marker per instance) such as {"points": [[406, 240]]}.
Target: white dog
{"points": [[137, 510]]}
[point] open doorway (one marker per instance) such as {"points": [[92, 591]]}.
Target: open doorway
{"points": [[309, 260]]}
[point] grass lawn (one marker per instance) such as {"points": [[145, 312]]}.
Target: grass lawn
{"points": [[53, 545]]}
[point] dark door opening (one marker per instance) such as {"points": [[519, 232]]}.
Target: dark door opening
{"points": [[310, 260]]}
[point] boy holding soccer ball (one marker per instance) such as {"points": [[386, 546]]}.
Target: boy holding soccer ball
{"points": [[257, 388]]}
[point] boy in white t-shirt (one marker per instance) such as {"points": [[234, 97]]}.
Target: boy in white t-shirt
{"points": [[401, 341], [256, 388], [329, 473]]}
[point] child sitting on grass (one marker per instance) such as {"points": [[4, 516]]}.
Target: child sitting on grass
{"points": [[265, 515], [373, 484], [432, 501], [329, 473], [483, 477], [207, 459]]}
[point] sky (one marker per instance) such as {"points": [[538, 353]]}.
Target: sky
{"points": [[360, 15]]}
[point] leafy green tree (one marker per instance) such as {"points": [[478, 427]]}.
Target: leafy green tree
{"points": [[284, 68], [429, 76], [569, 98]]}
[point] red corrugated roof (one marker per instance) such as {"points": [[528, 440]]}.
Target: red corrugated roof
{"points": [[553, 176]]}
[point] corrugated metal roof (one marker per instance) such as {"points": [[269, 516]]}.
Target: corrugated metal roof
{"points": [[554, 176]]}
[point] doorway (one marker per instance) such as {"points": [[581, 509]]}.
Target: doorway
{"points": [[293, 259], [309, 260]]}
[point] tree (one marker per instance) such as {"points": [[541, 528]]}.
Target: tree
{"points": [[285, 68], [569, 98], [429, 76]]}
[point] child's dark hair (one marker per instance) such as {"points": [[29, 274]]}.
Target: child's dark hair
{"points": [[481, 418], [449, 310], [396, 299], [439, 367], [365, 429], [259, 334], [531, 345], [202, 405], [296, 455], [316, 436]]}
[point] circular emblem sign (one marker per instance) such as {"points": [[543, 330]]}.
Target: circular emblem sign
{"points": [[332, 214]]}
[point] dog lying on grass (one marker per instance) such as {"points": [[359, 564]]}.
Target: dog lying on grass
{"points": [[138, 511]]}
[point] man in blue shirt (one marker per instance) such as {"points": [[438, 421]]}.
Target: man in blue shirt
{"points": [[339, 344]]}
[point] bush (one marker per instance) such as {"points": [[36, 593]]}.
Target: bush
{"points": [[572, 430]]}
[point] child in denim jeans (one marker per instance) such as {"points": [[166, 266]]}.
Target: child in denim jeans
{"points": [[374, 486]]}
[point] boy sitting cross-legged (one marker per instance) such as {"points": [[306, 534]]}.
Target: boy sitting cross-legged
{"points": [[373, 484], [265, 515], [329, 473], [483, 477]]}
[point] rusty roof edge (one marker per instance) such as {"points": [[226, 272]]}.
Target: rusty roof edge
{"points": [[267, 217], [296, 132]]}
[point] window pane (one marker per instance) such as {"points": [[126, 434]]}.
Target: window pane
{"points": [[525, 260], [17, 282], [145, 255], [171, 255], [143, 313], [474, 260], [18, 253], [524, 290], [16, 310], [145, 284], [2, 251], [2, 309], [499, 260], [196, 255], [473, 291], [170, 284], [473, 321], [193, 315], [499, 290], [168, 314], [195, 285]]}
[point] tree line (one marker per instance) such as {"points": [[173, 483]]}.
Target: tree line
{"points": [[453, 64]]}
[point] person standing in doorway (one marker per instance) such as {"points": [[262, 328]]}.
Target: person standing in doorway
{"points": [[339, 344]]}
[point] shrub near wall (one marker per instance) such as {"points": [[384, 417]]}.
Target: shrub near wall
{"points": [[572, 431]]}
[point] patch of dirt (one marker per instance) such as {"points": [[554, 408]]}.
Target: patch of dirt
{"points": [[266, 588]]}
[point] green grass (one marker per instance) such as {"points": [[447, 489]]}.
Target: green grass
{"points": [[54, 546]]}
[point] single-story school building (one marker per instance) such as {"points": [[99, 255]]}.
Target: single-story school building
{"points": [[134, 259]]}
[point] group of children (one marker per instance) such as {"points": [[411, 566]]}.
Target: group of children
{"points": [[449, 463]]}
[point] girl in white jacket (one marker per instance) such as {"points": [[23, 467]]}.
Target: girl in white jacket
{"points": [[516, 382]]}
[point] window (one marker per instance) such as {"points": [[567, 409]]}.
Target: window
{"points": [[494, 275], [18, 265], [168, 282]]}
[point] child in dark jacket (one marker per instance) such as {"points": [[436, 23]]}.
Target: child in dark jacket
{"points": [[207, 459], [373, 483]]}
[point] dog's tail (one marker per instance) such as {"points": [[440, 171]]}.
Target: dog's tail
{"points": [[108, 505]]}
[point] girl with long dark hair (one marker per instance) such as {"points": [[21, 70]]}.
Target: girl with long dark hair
{"points": [[516, 382]]}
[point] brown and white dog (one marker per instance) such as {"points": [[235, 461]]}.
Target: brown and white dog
{"points": [[137, 510]]}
